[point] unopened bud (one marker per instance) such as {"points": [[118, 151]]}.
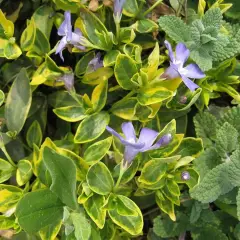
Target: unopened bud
{"points": [[185, 175]]}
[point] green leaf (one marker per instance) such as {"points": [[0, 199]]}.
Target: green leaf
{"points": [[51, 231], [165, 205], [227, 140], [28, 36], [63, 174], [110, 58], [71, 113], [94, 206], [24, 172], [238, 204], [190, 147], [175, 28], [6, 170], [12, 51], [6, 27], [34, 134], [38, 209], [82, 226], [97, 151], [82, 64], [43, 20], [2, 97], [145, 26], [213, 17], [205, 127], [132, 224], [152, 172], [166, 228], [131, 9], [99, 96], [99, 179], [9, 196], [125, 108], [148, 96], [124, 70], [126, 35], [215, 183], [18, 102], [91, 127], [6, 223], [208, 233]]}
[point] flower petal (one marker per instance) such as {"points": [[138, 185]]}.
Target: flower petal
{"points": [[193, 71], [147, 136], [189, 83], [123, 141], [61, 45], [170, 51], [182, 53], [163, 141], [129, 154], [170, 73], [66, 27], [96, 62], [129, 132], [68, 80]]}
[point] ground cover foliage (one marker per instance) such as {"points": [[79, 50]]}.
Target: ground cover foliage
{"points": [[119, 119]]}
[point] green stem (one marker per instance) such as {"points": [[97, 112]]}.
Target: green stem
{"points": [[117, 30], [122, 171], [179, 8], [8, 157], [129, 95], [152, 7]]}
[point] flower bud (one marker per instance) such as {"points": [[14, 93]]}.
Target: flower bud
{"points": [[185, 175]]}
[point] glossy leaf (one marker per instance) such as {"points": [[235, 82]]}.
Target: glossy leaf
{"points": [[24, 172], [6, 170], [100, 179], [38, 209], [51, 231], [97, 151], [63, 174], [18, 102], [34, 134], [91, 127]]}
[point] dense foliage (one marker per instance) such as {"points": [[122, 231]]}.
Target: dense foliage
{"points": [[117, 119]]}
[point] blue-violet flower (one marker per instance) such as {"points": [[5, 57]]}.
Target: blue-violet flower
{"points": [[118, 8], [95, 63], [176, 68], [68, 37], [144, 143]]}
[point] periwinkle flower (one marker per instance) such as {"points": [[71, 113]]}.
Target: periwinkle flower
{"points": [[118, 8], [176, 68], [68, 79], [68, 37], [144, 143], [96, 62]]}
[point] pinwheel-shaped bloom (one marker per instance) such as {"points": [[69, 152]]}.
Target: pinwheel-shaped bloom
{"points": [[176, 68], [68, 37], [96, 62], [118, 8], [144, 143]]}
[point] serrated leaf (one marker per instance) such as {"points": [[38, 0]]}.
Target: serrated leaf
{"points": [[205, 127], [227, 140], [175, 28], [63, 173], [213, 17]]}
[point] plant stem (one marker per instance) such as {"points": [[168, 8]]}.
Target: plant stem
{"points": [[122, 170], [8, 156], [117, 30], [152, 7]]}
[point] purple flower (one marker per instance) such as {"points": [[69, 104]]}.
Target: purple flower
{"points": [[96, 62], [68, 79], [176, 68], [74, 38], [118, 8], [144, 143]]}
